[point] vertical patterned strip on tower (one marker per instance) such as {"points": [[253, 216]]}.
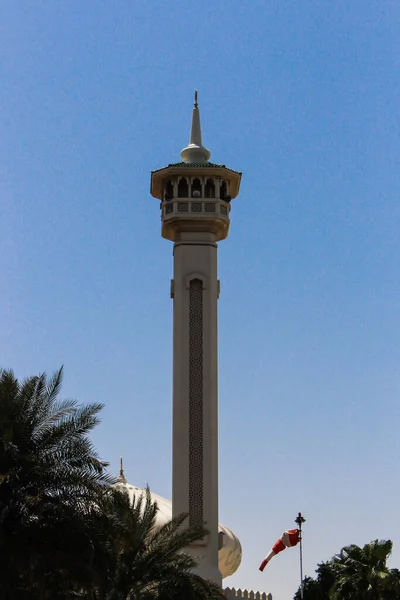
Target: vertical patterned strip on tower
{"points": [[196, 402]]}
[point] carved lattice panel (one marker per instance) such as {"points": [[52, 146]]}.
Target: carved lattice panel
{"points": [[196, 402]]}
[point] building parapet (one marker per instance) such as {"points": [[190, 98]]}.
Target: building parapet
{"points": [[238, 594]]}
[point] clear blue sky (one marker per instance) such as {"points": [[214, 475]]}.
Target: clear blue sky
{"points": [[304, 98]]}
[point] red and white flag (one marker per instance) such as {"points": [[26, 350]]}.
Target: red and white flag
{"points": [[288, 539]]}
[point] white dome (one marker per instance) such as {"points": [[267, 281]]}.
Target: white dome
{"points": [[229, 556]]}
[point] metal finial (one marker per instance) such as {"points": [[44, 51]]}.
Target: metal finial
{"points": [[121, 477], [195, 152]]}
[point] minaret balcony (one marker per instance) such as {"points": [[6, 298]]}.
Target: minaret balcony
{"points": [[195, 214], [195, 193]]}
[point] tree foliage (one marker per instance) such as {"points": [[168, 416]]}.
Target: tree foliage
{"points": [[65, 531], [355, 573], [145, 562]]}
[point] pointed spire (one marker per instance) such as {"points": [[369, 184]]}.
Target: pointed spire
{"points": [[121, 477], [195, 152]]}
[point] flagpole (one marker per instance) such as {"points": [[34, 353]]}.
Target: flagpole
{"points": [[300, 520]]}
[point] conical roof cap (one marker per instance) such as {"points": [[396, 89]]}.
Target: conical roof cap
{"points": [[195, 152]]}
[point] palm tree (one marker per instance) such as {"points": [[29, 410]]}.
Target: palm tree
{"points": [[144, 563], [391, 589], [319, 588], [50, 479], [362, 573], [65, 532]]}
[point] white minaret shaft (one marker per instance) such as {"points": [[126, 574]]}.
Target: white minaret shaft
{"points": [[195, 204], [195, 391]]}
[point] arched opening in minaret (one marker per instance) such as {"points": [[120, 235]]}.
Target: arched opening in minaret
{"points": [[168, 190], [196, 188], [183, 188], [223, 190], [210, 189]]}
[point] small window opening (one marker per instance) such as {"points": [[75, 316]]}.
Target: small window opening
{"points": [[183, 188], [223, 190], [210, 189], [168, 191], [196, 188]]}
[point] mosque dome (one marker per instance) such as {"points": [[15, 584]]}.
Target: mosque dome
{"points": [[229, 556]]}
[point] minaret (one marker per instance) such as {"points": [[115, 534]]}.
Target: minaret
{"points": [[195, 199]]}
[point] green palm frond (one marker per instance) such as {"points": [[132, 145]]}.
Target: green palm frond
{"points": [[150, 563], [362, 573], [55, 498], [50, 477]]}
